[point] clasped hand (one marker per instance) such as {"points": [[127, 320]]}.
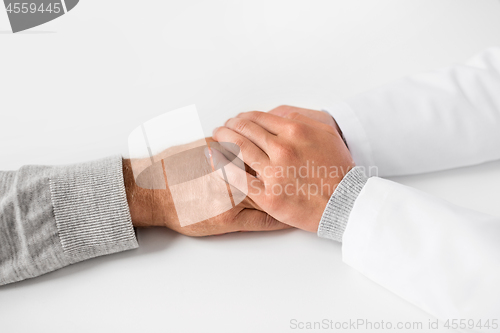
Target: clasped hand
{"points": [[294, 157]]}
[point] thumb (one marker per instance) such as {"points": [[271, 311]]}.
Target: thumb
{"points": [[256, 220]]}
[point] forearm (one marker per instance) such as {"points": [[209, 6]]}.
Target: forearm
{"points": [[51, 217], [427, 122], [438, 256]]}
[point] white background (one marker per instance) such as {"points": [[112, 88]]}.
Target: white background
{"points": [[73, 89]]}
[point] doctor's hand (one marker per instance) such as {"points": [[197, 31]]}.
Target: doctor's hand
{"points": [[320, 116], [155, 207], [298, 162]]}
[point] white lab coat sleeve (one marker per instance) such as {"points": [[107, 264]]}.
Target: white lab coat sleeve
{"points": [[433, 121], [443, 258]]}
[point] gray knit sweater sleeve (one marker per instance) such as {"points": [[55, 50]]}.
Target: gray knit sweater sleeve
{"points": [[337, 211], [51, 217]]}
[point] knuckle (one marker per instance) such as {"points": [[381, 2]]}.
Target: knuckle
{"points": [[281, 110], [293, 115], [297, 129], [254, 115], [269, 222], [241, 125], [285, 107], [240, 143]]}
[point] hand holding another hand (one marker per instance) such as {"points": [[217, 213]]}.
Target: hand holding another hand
{"points": [[299, 162], [155, 207], [294, 160]]}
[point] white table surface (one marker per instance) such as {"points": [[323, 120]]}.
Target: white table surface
{"points": [[72, 90]]}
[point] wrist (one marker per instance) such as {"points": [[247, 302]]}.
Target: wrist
{"points": [[140, 201]]}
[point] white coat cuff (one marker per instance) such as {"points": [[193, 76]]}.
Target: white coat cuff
{"points": [[354, 133]]}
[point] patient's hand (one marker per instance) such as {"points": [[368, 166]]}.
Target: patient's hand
{"points": [[153, 204]]}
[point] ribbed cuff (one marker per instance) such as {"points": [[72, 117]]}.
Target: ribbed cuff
{"points": [[91, 209], [337, 211]]}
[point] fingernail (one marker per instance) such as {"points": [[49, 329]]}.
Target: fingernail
{"points": [[208, 155], [215, 130]]}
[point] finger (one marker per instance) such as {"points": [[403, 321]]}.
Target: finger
{"points": [[227, 149], [284, 110], [241, 180], [312, 122], [224, 148], [270, 122], [256, 220], [321, 116], [252, 131], [252, 155], [246, 203]]}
